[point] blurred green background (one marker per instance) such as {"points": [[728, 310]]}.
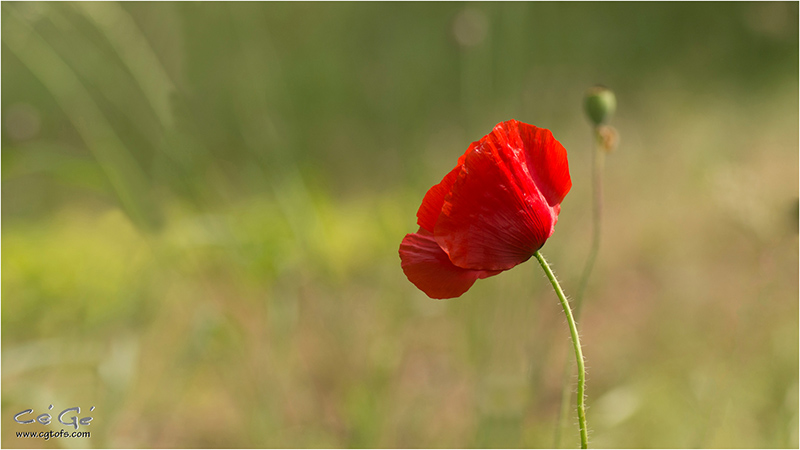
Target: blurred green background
{"points": [[202, 205]]}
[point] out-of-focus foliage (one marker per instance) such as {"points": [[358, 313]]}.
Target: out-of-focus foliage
{"points": [[202, 204]]}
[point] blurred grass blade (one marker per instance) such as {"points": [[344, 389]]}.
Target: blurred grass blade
{"points": [[57, 161], [122, 170], [135, 52]]}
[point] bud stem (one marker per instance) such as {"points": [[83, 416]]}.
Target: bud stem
{"points": [[598, 162]]}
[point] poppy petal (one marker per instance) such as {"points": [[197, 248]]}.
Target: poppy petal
{"points": [[505, 201], [428, 267], [428, 212], [545, 158]]}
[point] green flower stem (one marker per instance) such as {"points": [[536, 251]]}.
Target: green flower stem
{"points": [[576, 344]]}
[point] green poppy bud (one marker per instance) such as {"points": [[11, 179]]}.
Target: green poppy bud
{"points": [[600, 104]]}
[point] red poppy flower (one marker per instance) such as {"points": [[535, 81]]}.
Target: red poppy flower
{"points": [[494, 210]]}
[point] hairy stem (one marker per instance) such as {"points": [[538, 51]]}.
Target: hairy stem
{"points": [[576, 345]]}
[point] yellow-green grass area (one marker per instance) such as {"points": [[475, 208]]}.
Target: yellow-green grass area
{"points": [[224, 272]]}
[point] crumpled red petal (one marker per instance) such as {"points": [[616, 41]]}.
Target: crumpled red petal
{"points": [[428, 267], [505, 200], [545, 158], [428, 212]]}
